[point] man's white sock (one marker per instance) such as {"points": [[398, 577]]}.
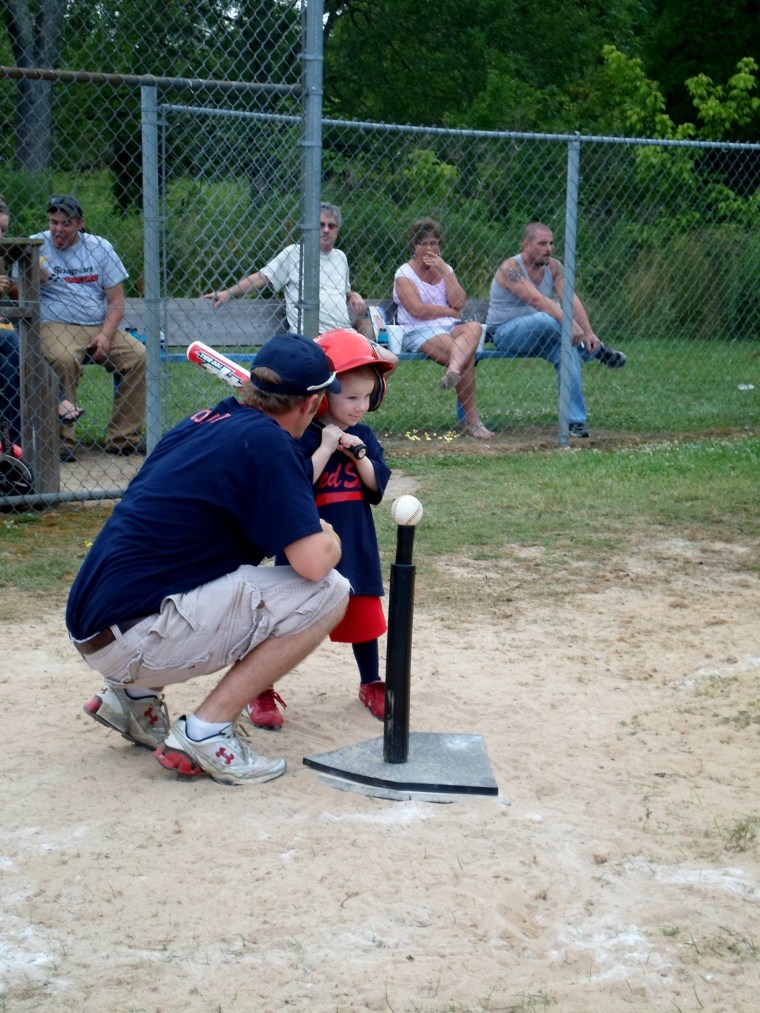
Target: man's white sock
{"points": [[198, 729]]}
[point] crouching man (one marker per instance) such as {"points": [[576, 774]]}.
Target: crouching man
{"points": [[173, 588]]}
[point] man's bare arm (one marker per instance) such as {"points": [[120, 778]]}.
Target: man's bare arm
{"points": [[512, 277], [314, 556], [251, 282]]}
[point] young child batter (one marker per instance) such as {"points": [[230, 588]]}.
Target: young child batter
{"points": [[347, 486]]}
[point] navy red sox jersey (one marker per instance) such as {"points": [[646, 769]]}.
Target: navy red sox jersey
{"points": [[226, 486], [347, 504]]}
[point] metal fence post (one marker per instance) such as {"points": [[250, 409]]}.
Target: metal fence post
{"points": [[568, 291], [311, 167], [151, 263]]}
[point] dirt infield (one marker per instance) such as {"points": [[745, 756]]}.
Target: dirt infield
{"points": [[618, 870]]}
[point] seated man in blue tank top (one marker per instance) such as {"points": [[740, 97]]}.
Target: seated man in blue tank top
{"points": [[525, 316]]}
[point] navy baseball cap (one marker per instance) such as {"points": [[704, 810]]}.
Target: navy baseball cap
{"points": [[68, 204], [299, 362]]}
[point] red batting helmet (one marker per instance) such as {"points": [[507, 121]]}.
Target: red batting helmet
{"points": [[350, 350]]}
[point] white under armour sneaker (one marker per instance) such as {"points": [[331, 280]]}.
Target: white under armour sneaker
{"points": [[226, 757], [144, 722]]}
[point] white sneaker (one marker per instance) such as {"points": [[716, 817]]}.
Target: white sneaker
{"points": [[144, 722], [226, 757]]}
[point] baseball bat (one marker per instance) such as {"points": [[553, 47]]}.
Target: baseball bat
{"points": [[214, 362], [233, 374]]}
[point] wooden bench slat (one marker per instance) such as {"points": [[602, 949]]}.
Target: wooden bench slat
{"points": [[250, 321]]}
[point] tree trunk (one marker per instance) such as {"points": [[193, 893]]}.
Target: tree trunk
{"points": [[35, 40], [33, 123]]}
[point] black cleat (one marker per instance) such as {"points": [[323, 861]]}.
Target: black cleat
{"points": [[578, 429], [611, 358]]}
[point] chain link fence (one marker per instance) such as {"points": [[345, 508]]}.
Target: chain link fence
{"points": [[198, 185]]}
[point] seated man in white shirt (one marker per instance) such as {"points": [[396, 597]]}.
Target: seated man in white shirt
{"points": [[339, 306]]}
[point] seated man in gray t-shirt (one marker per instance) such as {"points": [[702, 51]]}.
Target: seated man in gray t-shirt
{"points": [[81, 310]]}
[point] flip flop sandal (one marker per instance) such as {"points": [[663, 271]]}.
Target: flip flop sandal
{"points": [[450, 379], [479, 432]]}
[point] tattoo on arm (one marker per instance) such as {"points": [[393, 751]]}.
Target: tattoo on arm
{"points": [[514, 274]]}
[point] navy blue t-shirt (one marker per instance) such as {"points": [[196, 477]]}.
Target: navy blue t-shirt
{"points": [[226, 486], [347, 504]]}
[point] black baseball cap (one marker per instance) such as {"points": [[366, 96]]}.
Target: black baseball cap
{"points": [[300, 363], [68, 204]]}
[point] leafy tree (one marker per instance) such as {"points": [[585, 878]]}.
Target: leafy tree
{"points": [[253, 40], [256, 40], [727, 111], [638, 102], [495, 64], [723, 184], [692, 37]]}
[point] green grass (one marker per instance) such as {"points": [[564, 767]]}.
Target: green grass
{"points": [[742, 833], [590, 506], [667, 387], [41, 553]]}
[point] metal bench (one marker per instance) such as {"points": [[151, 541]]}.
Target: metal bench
{"points": [[245, 322]]}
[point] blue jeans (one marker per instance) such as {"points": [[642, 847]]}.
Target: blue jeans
{"points": [[10, 392], [539, 336]]}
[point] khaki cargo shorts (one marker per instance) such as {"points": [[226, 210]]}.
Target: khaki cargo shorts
{"points": [[204, 630]]}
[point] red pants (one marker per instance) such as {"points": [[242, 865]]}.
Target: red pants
{"points": [[364, 620]]}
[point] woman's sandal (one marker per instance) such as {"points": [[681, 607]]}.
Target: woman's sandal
{"points": [[68, 413], [479, 432], [450, 379]]}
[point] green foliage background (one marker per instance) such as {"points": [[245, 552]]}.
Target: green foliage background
{"points": [[669, 249]]}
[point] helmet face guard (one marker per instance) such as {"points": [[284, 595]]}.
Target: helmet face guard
{"points": [[350, 350]]}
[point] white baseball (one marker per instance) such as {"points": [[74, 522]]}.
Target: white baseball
{"points": [[406, 510]]}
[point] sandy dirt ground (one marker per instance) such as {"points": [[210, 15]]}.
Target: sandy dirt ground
{"points": [[617, 869]]}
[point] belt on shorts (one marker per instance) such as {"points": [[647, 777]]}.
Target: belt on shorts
{"points": [[106, 637]]}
